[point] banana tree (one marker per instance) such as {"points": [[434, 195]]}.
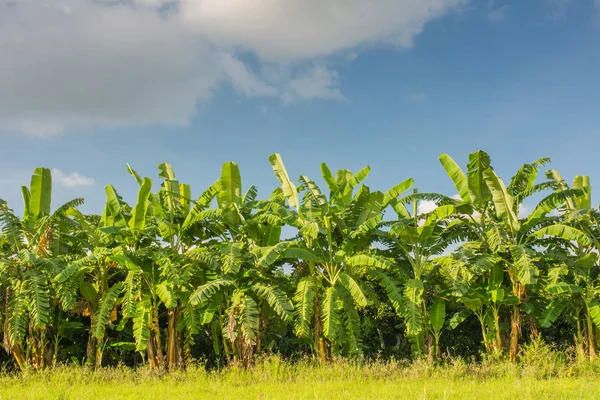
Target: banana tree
{"points": [[247, 294], [476, 280], [474, 268], [34, 248], [417, 237], [573, 283], [154, 238], [520, 239], [93, 281], [134, 253], [184, 226], [336, 262], [496, 227]]}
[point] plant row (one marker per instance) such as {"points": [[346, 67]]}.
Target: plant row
{"points": [[173, 276]]}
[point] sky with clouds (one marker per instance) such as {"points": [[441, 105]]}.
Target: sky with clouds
{"points": [[88, 85]]}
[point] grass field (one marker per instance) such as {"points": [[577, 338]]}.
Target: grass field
{"points": [[273, 379]]}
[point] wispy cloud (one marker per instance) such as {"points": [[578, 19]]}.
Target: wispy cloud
{"points": [[417, 97], [557, 9], [499, 14], [319, 83], [70, 179]]}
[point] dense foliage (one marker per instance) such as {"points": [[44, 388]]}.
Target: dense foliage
{"points": [[173, 278]]}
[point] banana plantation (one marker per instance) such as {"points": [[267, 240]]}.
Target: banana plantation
{"points": [[337, 270]]}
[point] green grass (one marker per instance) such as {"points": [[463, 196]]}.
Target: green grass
{"points": [[273, 379]]}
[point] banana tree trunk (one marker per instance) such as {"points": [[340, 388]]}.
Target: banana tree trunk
{"points": [[155, 337], [228, 352], [98, 360], [514, 334], [380, 337], [486, 344], [179, 349], [320, 344], [19, 357], [498, 343], [90, 348], [34, 350], [159, 352], [579, 340], [591, 336], [323, 351], [172, 340], [259, 332], [150, 351]]}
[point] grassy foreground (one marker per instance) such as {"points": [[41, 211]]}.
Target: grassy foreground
{"points": [[273, 379]]}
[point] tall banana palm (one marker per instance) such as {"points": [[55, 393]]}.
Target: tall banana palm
{"points": [[94, 281], [577, 286], [497, 229], [134, 253], [34, 248], [337, 259], [156, 239], [184, 226], [418, 238], [246, 293]]}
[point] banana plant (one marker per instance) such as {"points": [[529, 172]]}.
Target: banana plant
{"points": [[477, 281], [247, 294], [156, 239], [336, 262], [418, 237], [437, 319], [135, 254], [93, 281], [573, 282], [185, 226], [495, 225], [33, 252]]}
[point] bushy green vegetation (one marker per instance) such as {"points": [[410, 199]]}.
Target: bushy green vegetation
{"points": [[174, 279]]}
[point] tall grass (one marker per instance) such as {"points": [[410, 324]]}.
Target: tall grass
{"points": [[541, 373]]}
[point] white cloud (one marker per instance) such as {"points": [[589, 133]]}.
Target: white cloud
{"points": [[318, 83], [243, 79], [426, 206], [524, 211], [70, 179], [303, 29], [89, 65], [499, 14], [76, 64]]}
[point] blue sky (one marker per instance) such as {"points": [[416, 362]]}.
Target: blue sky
{"points": [[393, 90]]}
